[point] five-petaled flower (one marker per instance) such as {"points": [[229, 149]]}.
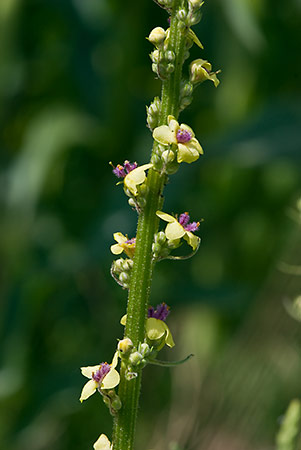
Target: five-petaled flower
{"points": [[176, 229], [102, 443], [156, 328], [189, 148], [102, 376], [124, 244]]}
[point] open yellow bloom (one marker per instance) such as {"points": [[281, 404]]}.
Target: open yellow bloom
{"points": [[189, 148], [136, 177], [176, 229], [102, 376], [124, 244], [156, 329], [102, 443]]}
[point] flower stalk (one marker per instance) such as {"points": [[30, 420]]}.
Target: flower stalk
{"points": [[146, 332]]}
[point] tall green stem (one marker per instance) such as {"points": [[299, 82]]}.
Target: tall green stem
{"points": [[141, 276]]}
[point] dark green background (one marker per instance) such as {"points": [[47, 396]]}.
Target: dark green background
{"points": [[74, 81]]}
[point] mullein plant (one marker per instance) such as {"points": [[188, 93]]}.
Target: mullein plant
{"points": [[145, 327]]}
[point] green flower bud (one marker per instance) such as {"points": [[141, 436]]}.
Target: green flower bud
{"points": [[145, 349], [116, 403], [135, 358], [124, 278], [155, 56], [160, 237], [181, 14], [125, 346]]}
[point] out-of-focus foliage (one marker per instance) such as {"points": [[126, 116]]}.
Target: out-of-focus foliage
{"points": [[74, 80]]}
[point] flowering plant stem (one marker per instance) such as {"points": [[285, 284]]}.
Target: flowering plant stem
{"points": [[141, 276]]}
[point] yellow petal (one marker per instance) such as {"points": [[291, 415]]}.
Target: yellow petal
{"points": [[114, 360], [110, 380], [164, 135], [187, 153], [169, 339], [173, 125], [155, 328], [166, 217], [89, 370], [194, 143], [120, 238], [116, 249], [136, 177], [123, 320], [88, 390], [102, 443], [192, 240], [174, 231]]}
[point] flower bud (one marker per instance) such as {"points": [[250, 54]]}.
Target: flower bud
{"points": [[181, 14], [145, 349], [155, 56], [124, 278], [160, 237], [169, 55], [157, 36], [125, 346], [200, 70], [168, 156], [135, 358], [196, 3]]}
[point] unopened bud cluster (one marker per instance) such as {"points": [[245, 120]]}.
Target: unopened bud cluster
{"points": [[162, 57], [153, 111], [162, 246], [135, 358], [164, 160], [121, 271], [138, 202], [112, 401], [190, 16], [186, 91]]}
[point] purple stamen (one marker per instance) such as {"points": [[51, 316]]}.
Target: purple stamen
{"points": [[131, 241], [129, 166], [193, 226], [121, 171], [103, 370], [183, 136], [161, 312], [184, 219]]}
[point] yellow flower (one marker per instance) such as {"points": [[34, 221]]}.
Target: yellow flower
{"points": [[136, 177], [102, 376], [124, 244], [102, 443], [189, 148], [176, 229], [157, 330], [200, 70]]}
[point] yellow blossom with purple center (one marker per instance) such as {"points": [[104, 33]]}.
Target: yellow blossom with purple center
{"points": [[132, 175], [189, 148], [101, 376], [177, 229], [124, 244]]}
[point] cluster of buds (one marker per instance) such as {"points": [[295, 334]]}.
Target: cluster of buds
{"points": [[135, 358], [164, 160], [190, 16], [121, 271], [162, 246], [112, 401], [162, 57], [152, 112], [186, 91]]}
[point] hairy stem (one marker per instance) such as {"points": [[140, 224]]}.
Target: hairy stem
{"points": [[141, 276]]}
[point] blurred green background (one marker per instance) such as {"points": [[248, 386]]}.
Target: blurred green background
{"points": [[74, 81]]}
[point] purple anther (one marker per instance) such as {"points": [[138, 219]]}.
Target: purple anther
{"points": [[184, 219], [103, 370], [129, 166], [183, 136], [131, 241], [119, 171], [161, 312], [193, 226]]}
